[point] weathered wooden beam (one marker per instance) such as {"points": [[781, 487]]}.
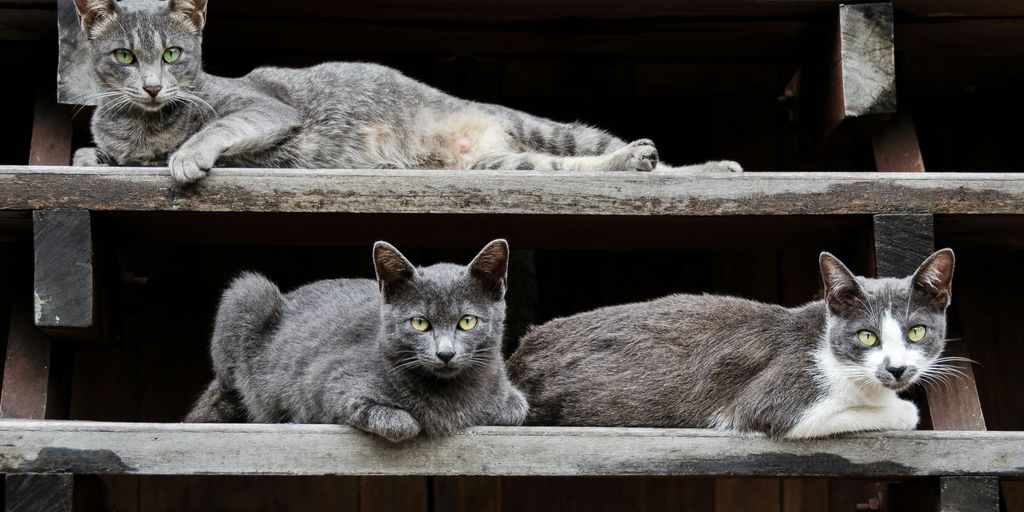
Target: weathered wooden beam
{"points": [[859, 80], [901, 242], [968, 494], [26, 391], [165, 449], [64, 273], [35, 492], [512, 192]]}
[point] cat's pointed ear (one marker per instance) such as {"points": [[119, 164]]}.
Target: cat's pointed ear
{"points": [[393, 270], [842, 293], [192, 11], [934, 278], [95, 15], [491, 267]]}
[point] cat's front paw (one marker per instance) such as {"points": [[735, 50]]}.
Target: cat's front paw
{"points": [[514, 411], [395, 425], [723, 166], [88, 157], [191, 162], [639, 155], [905, 415]]}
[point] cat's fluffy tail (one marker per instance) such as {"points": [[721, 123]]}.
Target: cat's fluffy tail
{"points": [[247, 315]]}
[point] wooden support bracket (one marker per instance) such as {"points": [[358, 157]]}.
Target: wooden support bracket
{"points": [[65, 296], [901, 243], [860, 78]]}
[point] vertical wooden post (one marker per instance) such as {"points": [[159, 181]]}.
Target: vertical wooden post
{"points": [[35, 492], [26, 388], [896, 147], [901, 243], [64, 273]]}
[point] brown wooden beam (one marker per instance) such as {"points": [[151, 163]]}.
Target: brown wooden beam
{"points": [[26, 391], [896, 147], [901, 243]]}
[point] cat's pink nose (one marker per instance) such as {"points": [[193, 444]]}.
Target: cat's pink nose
{"points": [[153, 90]]}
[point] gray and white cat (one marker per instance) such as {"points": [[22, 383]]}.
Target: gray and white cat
{"points": [[824, 368], [417, 351], [158, 107]]}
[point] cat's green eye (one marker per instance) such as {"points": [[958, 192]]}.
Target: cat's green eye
{"points": [[124, 56], [467, 323], [420, 324], [867, 337], [916, 333], [172, 54]]}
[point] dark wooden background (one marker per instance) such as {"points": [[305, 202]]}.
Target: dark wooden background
{"points": [[705, 80]]}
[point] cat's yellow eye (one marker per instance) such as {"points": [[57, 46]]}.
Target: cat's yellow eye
{"points": [[867, 337], [420, 324], [172, 54], [467, 323], [124, 56], [916, 333]]}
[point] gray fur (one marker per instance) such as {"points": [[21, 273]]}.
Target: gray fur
{"points": [[344, 351], [337, 115], [724, 362]]}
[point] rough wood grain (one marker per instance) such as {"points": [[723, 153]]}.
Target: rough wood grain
{"points": [[64, 272], [26, 384], [154, 448], [33, 492], [968, 494], [901, 243], [513, 192], [866, 62]]}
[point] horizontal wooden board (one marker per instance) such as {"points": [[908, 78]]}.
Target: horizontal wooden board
{"points": [[171, 449], [512, 192]]}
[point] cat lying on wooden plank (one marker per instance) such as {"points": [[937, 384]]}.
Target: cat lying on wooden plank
{"points": [[158, 107], [419, 350], [824, 368]]}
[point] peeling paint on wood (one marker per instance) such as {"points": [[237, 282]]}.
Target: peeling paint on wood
{"points": [[167, 449], [512, 192]]}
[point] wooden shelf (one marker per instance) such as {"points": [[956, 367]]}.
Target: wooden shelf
{"points": [[512, 192], [252, 449]]}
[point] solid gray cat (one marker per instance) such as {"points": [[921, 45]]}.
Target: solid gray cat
{"points": [[417, 351], [158, 107], [826, 367]]}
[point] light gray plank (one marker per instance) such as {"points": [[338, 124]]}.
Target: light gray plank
{"points": [[513, 192], [162, 449]]}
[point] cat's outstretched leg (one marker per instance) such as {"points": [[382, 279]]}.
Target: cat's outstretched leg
{"points": [[216, 405], [712, 166], [640, 155]]}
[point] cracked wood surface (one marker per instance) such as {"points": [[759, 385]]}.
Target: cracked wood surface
{"points": [[163, 449], [512, 192]]}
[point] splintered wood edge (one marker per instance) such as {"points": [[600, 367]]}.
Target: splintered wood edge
{"points": [[512, 192], [244, 449]]}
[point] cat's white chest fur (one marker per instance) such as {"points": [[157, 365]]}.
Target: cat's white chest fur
{"points": [[852, 406]]}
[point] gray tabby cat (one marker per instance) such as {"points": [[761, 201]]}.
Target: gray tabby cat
{"points": [[824, 368], [158, 107], [417, 351]]}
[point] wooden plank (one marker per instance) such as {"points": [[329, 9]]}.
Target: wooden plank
{"points": [[896, 147], [64, 272], [804, 495], [968, 494], [901, 243], [160, 448], [748, 494], [26, 391], [33, 492], [513, 192]]}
